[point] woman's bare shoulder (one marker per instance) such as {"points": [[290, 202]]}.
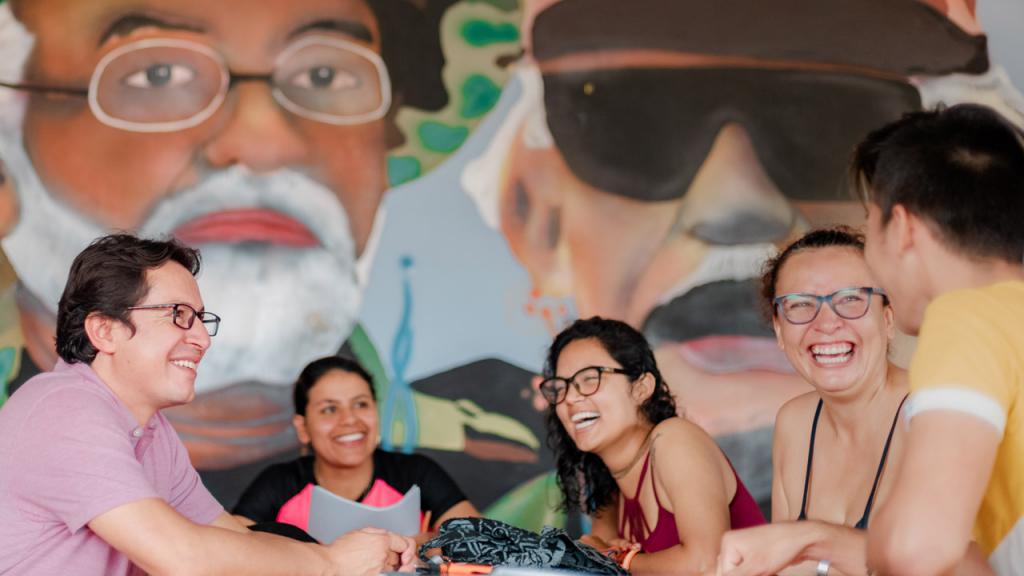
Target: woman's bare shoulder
{"points": [[678, 433], [796, 412]]}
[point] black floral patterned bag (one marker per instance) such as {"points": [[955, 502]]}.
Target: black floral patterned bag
{"points": [[485, 541]]}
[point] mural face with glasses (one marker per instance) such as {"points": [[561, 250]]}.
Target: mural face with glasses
{"points": [[264, 137], [698, 138]]}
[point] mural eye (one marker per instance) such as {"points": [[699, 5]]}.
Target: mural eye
{"points": [[160, 75], [325, 78]]}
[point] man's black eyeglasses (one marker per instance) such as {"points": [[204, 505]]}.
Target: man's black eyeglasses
{"points": [[184, 316]]}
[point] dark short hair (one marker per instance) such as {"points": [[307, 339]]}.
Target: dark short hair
{"points": [[107, 278], [961, 169], [586, 483], [316, 370], [835, 237]]}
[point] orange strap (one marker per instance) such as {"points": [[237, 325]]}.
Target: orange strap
{"points": [[463, 568], [627, 560]]}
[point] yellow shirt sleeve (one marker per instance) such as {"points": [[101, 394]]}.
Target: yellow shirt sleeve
{"points": [[965, 358]]}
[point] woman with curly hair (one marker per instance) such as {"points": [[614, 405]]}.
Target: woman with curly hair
{"points": [[651, 481]]}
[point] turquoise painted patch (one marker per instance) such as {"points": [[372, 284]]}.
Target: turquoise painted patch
{"points": [[401, 169], [479, 95], [438, 137], [484, 33], [7, 357]]}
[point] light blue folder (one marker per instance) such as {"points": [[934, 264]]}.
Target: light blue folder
{"points": [[331, 515]]}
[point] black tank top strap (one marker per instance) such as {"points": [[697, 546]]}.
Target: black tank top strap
{"points": [[810, 460], [863, 523]]}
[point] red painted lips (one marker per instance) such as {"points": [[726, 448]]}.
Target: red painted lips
{"points": [[246, 225]]}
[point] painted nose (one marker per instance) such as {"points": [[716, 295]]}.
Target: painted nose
{"points": [[257, 134], [732, 200]]}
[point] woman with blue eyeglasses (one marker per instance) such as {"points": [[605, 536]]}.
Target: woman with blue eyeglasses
{"points": [[835, 447], [651, 482]]}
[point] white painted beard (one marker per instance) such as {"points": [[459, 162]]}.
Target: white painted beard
{"points": [[281, 306]]}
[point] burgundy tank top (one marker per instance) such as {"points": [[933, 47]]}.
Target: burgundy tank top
{"points": [[743, 513]]}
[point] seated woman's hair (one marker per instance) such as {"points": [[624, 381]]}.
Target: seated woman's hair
{"points": [[316, 369], [586, 482], [837, 236]]}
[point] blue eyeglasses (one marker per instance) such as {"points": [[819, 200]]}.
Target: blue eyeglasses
{"points": [[849, 303]]}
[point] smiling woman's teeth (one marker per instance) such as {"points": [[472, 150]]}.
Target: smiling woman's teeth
{"points": [[832, 353], [350, 437], [585, 419]]}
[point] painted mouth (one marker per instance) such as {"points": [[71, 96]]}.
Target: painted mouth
{"points": [[583, 420], [725, 354], [246, 225], [832, 354], [733, 338]]}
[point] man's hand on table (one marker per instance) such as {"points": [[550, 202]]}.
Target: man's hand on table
{"points": [[371, 551]]}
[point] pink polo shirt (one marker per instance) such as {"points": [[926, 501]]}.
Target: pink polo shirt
{"points": [[69, 451]]}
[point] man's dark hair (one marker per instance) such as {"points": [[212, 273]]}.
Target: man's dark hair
{"points": [[961, 169], [107, 278], [587, 484], [317, 369], [835, 237]]}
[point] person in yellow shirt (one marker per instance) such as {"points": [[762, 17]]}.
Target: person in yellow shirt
{"points": [[944, 192]]}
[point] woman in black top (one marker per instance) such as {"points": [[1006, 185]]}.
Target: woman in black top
{"points": [[336, 416], [834, 446]]}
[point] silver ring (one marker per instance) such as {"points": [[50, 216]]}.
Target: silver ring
{"points": [[823, 566]]}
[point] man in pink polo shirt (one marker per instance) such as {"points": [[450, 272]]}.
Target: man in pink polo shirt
{"points": [[93, 479]]}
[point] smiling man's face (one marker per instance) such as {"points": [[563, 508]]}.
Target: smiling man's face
{"points": [[269, 195]]}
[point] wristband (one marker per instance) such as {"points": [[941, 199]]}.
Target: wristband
{"points": [[823, 566], [627, 560]]}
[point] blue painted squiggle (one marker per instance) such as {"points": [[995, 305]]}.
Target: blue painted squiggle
{"points": [[399, 405]]}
